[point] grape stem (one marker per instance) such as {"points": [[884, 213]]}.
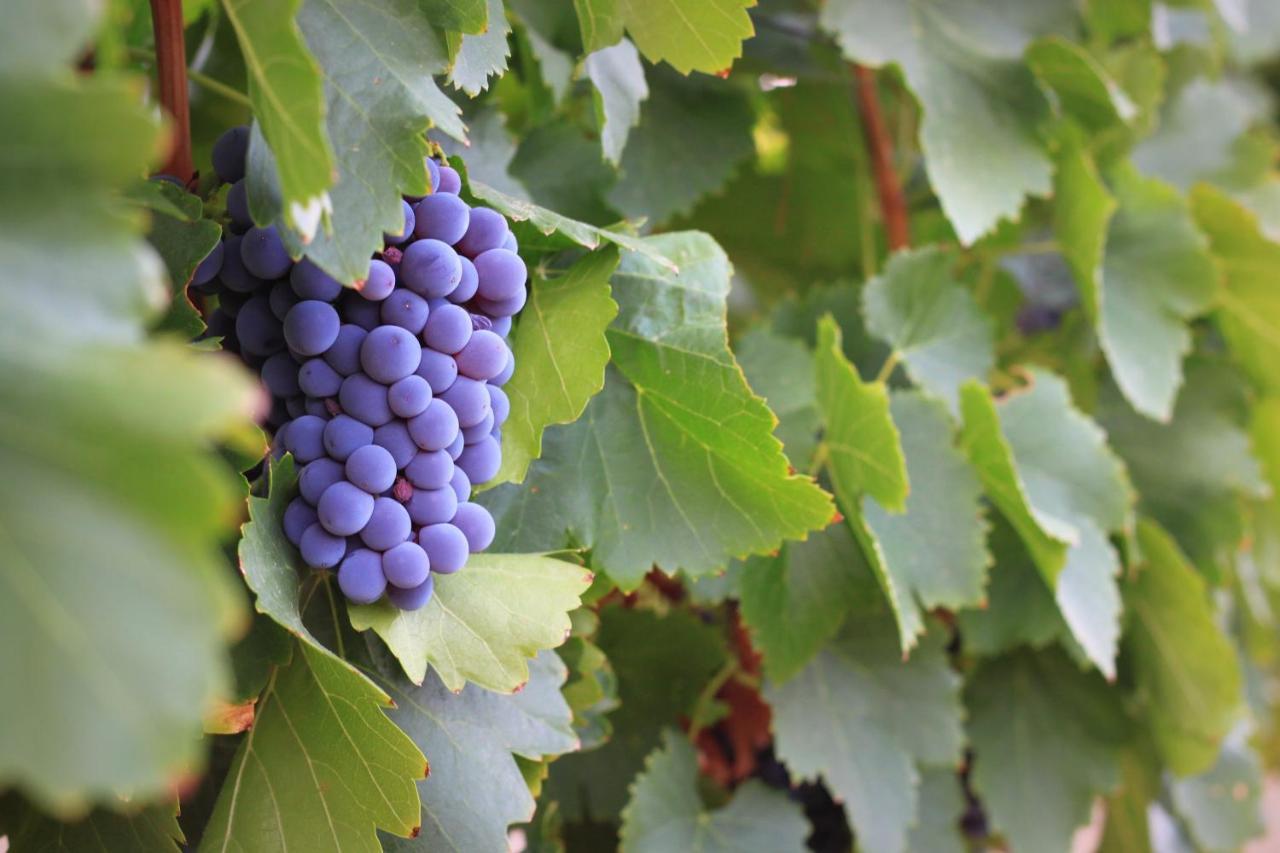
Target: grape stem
{"points": [[893, 206], [171, 72], [702, 707]]}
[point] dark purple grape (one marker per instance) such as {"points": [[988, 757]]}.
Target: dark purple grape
{"points": [[311, 282], [298, 516], [280, 375], [230, 152], [473, 434], [238, 207], [499, 403], [460, 483], [468, 284], [264, 254], [234, 274], [317, 379], [442, 217], [209, 267], [476, 524], [468, 399], [450, 180], [406, 310], [430, 268], [406, 230], [505, 376], [502, 275], [436, 427], [411, 599], [371, 468], [320, 548], [439, 369], [306, 438], [448, 329], [317, 476], [359, 311], [344, 435], [319, 408], [360, 576], [409, 397], [445, 547], [365, 400], [406, 565], [378, 283], [1034, 319], [486, 231], [390, 353], [481, 460], [231, 302], [484, 356], [395, 439], [296, 406], [344, 355], [311, 327], [282, 299], [430, 469], [432, 506], [344, 509], [388, 525]]}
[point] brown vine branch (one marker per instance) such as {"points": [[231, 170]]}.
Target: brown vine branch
{"points": [[171, 70], [893, 205]]}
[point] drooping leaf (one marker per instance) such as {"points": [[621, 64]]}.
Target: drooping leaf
{"points": [[665, 812], [705, 36], [153, 829], [781, 370], [619, 80], [483, 55]]}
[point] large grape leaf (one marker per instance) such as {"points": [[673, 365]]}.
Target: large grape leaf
{"points": [[781, 370], [1185, 147], [323, 768], [982, 106], [620, 86], [1085, 90], [481, 56], [1183, 666], [561, 351], [1156, 275], [153, 829], [706, 35], [484, 622], [934, 553], [674, 464], [931, 322], [1049, 470], [1046, 737], [288, 100], [1082, 211], [942, 806], [666, 812], [1221, 807], [471, 738], [861, 718]]}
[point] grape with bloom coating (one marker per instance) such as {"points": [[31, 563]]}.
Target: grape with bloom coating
{"points": [[406, 565], [360, 576], [311, 327], [344, 509], [445, 546], [411, 599], [372, 468], [476, 524]]}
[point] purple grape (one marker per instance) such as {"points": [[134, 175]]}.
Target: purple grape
{"points": [[469, 401], [484, 356], [317, 476], [448, 329], [395, 439], [311, 282], [476, 524], [430, 268], [499, 403], [445, 546], [311, 327], [344, 355], [390, 353], [480, 322], [442, 217], [230, 152], [409, 397], [360, 576], [231, 302], [450, 180], [371, 468], [344, 435], [406, 230], [411, 599], [209, 267], [306, 438], [365, 400], [474, 434], [238, 207], [318, 379], [320, 548], [282, 299], [379, 282], [439, 369], [436, 427], [296, 406], [319, 408], [280, 375], [505, 376], [234, 274], [501, 326], [344, 509], [432, 506], [298, 516], [486, 231], [430, 469], [264, 254], [502, 275], [481, 460], [359, 311], [406, 565], [455, 447], [433, 171], [388, 525], [405, 309], [460, 483], [510, 243], [468, 284], [503, 308]]}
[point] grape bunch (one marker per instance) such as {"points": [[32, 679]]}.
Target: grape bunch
{"points": [[388, 394]]}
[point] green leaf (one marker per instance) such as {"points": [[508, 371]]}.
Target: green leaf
{"points": [[591, 691], [660, 180], [182, 241], [982, 106], [323, 768], [463, 16], [484, 55], [1184, 667], [1085, 91], [861, 718], [1046, 737], [1222, 806], [781, 370], [153, 829], [1082, 214], [942, 806], [618, 77], [289, 103], [1156, 275], [475, 789], [562, 352], [666, 813], [1186, 148], [705, 36], [484, 622], [932, 322], [934, 553], [600, 23], [861, 439]]}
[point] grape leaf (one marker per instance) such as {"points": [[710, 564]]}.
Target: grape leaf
{"points": [[666, 813], [618, 77], [861, 718], [287, 92], [931, 322], [599, 22], [981, 104], [1082, 213], [942, 805], [1156, 275], [153, 829], [483, 55], [704, 36], [561, 351], [182, 241], [322, 768], [1221, 807], [1184, 667], [471, 738], [1047, 737], [559, 165], [934, 553], [781, 370], [1085, 91], [462, 16], [484, 622], [591, 691], [1185, 147]]}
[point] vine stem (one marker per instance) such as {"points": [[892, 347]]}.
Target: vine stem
{"points": [[204, 81], [893, 206], [171, 71]]}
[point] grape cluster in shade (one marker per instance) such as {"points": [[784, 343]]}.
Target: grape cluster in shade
{"points": [[389, 393]]}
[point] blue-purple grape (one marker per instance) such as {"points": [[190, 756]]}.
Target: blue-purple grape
{"points": [[371, 468], [282, 299], [460, 483], [409, 397], [305, 439], [468, 399], [484, 356], [405, 309], [311, 282], [473, 434], [468, 284], [234, 274], [395, 439], [439, 369], [476, 524], [389, 525], [390, 353], [406, 565], [455, 448], [344, 355], [360, 576], [486, 231], [357, 310], [450, 180], [505, 376], [412, 599], [317, 379], [441, 216], [208, 268], [430, 268], [406, 230], [365, 400], [445, 547], [437, 426], [317, 476], [501, 326], [499, 403], [448, 329], [345, 435], [510, 243], [320, 548], [311, 327], [264, 253], [378, 283], [280, 375], [430, 469], [298, 516], [230, 152], [481, 460], [502, 308], [502, 275], [432, 506], [237, 203], [433, 172], [344, 509]]}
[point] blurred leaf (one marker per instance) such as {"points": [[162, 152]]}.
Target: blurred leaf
{"points": [[463, 16], [600, 22], [942, 805], [152, 829], [704, 36], [1222, 807], [591, 691], [781, 370], [619, 80], [182, 239], [1081, 218], [1186, 147], [1085, 91]]}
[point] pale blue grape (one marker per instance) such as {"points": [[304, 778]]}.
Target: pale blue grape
{"points": [[360, 576], [365, 400], [439, 369], [504, 307], [509, 243], [467, 284], [388, 525], [450, 180], [405, 309], [390, 353], [372, 468], [430, 268], [344, 435], [460, 483], [505, 376], [409, 397], [395, 439], [430, 469], [311, 327], [481, 460], [411, 599], [448, 329], [502, 326], [209, 267], [433, 172], [455, 449], [311, 282], [437, 426], [378, 283], [502, 275], [445, 547], [486, 231], [406, 565], [468, 399], [441, 216], [344, 509], [432, 506], [320, 548], [306, 438], [484, 356], [316, 477], [298, 516], [344, 355], [318, 379], [499, 403], [473, 434], [476, 524]]}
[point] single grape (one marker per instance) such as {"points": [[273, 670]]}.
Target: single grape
{"points": [[499, 403], [501, 326], [371, 468], [433, 171], [484, 356], [430, 268], [365, 400], [390, 353], [502, 275], [406, 310], [320, 548], [441, 216], [230, 152], [311, 282], [411, 599], [481, 460], [406, 230], [317, 379], [439, 369], [237, 203], [505, 376], [436, 427], [282, 299], [317, 476], [476, 524], [378, 283], [388, 525], [395, 439], [468, 399], [359, 311], [344, 509], [234, 274], [430, 469], [445, 546], [474, 434], [344, 435], [502, 308], [344, 355], [209, 267], [306, 438], [455, 448], [298, 516], [280, 375], [409, 397], [406, 565], [510, 243], [468, 284], [432, 506], [264, 254], [360, 576], [311, 327], [450, 180], [460, 483], [448, 329], [319, 408], [486, 231]]}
